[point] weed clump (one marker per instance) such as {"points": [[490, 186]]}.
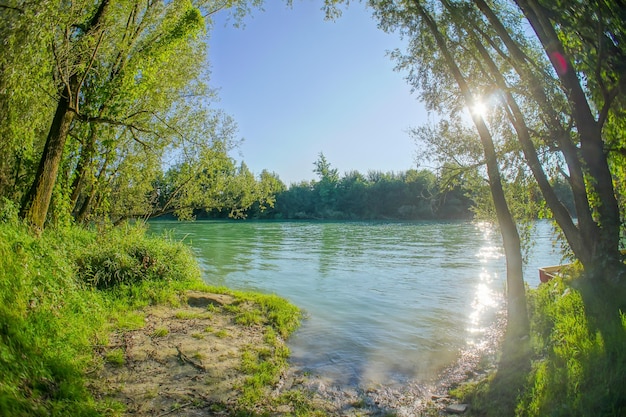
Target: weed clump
{"points": [[127, 256]]}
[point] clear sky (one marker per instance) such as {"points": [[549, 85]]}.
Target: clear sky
{"points": [[298, 85]]}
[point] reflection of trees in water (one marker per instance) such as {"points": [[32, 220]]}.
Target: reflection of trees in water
{"points": [[224, 248], [229, 248], [336, 241], [269, 239], [330, 245]]}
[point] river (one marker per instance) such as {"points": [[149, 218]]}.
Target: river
{"points": [[386, 302]]}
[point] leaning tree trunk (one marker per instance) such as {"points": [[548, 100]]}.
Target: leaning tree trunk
{"points": [[518, 324], [36, 202]]}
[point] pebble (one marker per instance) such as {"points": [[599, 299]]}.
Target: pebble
{"points": [[457, 408]]}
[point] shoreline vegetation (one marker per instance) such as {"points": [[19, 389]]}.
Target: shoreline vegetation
{"points": [[112, 322]]}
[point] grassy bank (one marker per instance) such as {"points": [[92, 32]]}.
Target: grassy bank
{"points": [[574, 363], [61, 296]]}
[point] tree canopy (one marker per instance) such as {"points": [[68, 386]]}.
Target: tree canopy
{"points": [[104, 101]]}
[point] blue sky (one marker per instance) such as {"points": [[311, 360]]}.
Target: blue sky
{"points": [[298, 85]]}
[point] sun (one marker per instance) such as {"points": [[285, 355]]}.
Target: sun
{"points": [[479, 108]]}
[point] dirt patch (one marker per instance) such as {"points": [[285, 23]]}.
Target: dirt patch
{"points": [[184, 362]]}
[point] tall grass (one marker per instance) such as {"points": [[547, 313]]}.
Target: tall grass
{"points": [[59, 294], [579, 341], [48, 319]]}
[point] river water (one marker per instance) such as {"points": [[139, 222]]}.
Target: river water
{"points": [[386, 302]]}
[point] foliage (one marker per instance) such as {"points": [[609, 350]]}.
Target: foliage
{"points": [[550, 102], [116, 91], [127, 257]]}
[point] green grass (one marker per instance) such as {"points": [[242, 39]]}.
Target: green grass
{"points": [[264, 365], [574, 363], [160, 332], [266, 309], [186, 315], [263, 368], [222, 334], [116, 357], [62, 294]]}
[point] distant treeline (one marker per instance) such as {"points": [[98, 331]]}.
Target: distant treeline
{"points": [[409, 195], [406, 195]]}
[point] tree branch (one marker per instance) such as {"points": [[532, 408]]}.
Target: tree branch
{"points": [[91, 61], [16, 9]]}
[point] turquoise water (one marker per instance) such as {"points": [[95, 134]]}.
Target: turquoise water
{"points": [[385, 302]]}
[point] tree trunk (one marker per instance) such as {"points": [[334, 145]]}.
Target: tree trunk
{"points": [[520, 62], [518, 324], [36, 202], [517, 312], [83, 166]]}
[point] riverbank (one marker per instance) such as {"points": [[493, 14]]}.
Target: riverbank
{"points": [[191, 360], [203, 356]]}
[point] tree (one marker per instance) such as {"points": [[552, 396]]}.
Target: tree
{"points": [[269, 187], [129, 65], [327, 186], [435, 52], [199, 181], [24, 83], [352, 196], [588, 84], [79, 38]]}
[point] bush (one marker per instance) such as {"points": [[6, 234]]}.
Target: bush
{"points": [[127, 256]]}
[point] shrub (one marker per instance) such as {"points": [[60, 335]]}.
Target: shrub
{"points": [[128, 256]]}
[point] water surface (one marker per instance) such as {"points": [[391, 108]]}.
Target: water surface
{"points": [[386, 302]]}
